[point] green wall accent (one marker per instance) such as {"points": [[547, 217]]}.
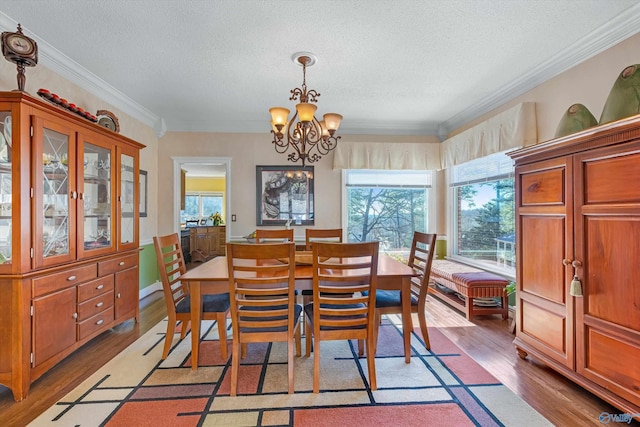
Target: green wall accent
{"points": [[148, 267]]}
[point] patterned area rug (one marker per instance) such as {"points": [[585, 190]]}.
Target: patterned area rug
{"points": [[443, 387]]}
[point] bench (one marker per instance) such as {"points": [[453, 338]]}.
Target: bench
{"points": [[458, 285]]}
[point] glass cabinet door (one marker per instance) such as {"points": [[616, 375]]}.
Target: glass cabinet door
{"points": [[6, 201], [95, 215], [55, 193], [129, 194]]}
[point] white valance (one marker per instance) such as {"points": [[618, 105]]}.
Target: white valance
{"points": [[513, 128], [387, 155]]}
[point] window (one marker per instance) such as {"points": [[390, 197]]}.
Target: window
{"points": [[201, 205], [484, 212], [386, 205]]}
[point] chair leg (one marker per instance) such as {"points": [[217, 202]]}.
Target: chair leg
{"points": [[235, 365], [316, 364], [168, 338], [290, 361], [183, 330], [422, 318], [298, 339], [371, 364], [308, 334], [243, 354], [360, 348], [376, 330], [222, 333]]}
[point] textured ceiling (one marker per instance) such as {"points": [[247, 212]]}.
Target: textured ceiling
{"points": [[389, 67]]}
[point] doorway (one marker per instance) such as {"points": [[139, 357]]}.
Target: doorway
{"points": [[201, 167]]}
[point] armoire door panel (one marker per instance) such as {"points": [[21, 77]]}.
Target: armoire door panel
{"points": [[613, 363], [609, 281], [608, 180], [544, 187], [543, 246], [545, 327]]}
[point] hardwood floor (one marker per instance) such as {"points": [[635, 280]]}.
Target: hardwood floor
{"points": [[488, 340]]}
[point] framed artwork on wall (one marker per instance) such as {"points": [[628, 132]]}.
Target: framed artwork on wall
{"points": [[284, 194], [143, 193]]}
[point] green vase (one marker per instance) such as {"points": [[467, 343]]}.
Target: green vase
{"points": [[576, 118], [624, 98]]}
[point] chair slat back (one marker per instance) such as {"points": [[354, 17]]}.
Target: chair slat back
{"points": [[263, 236], [340, 269], [171, 266], [423, 248], [262, 287], [322, 234]]}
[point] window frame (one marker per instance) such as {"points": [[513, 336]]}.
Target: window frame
{"points": [[430, 203], [452, 219], [207, 193]]}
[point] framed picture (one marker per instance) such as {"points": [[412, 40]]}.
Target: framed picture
{"points": [[284, 194], [143, 193]]}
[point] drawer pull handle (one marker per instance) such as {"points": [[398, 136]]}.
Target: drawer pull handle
{"points": [[121, 263], [100, 322], [70, 278], [100, 304], [118, 295], [99, 287], [75, 315]]}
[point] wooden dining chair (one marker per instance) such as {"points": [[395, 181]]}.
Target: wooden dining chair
{"points": [[266, 236], [176, 294], [322, 234], [339, 269], [319, 234], [389, 302], [263, 308]]}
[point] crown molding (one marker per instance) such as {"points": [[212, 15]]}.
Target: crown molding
{"points": [[66, 67], [613, 32]]}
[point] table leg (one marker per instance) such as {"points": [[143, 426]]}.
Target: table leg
{"points": [[196, 305], [407, 323]]}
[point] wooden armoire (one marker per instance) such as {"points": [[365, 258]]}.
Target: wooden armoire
{"points": [[578, 220]]}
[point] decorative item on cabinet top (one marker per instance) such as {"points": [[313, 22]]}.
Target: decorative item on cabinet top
{"points": [[21, 50], [55, 99], [624, 99], [108, 120]]}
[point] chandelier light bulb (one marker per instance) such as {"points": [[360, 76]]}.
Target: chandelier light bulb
{"points": [[306, 111]]}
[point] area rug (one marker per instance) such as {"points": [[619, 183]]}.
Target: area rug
{"points": [[443, 387]]}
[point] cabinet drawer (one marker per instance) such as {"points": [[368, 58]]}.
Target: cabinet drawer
{"points": [[53, 282], [117, 264], [94, 305], [94, 288], [95, 323]]}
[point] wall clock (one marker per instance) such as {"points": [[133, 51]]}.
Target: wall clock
{"points": [[108, 120], [21, 50]]}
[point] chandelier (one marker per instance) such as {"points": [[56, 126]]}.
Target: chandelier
{"points": [[306, 137]]}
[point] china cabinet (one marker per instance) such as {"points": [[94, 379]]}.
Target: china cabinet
{"points": [[69, 195], [577, 228]]}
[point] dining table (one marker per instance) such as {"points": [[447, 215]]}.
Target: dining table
{"points": [[212, 277]]}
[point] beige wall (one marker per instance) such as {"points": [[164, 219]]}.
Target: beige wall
{"points": [[588, 83], [41, 77]]}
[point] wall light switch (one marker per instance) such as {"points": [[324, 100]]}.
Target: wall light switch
{"points": [[233, 218]]}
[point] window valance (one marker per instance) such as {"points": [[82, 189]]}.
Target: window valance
{"points": [[387, 155], [513, 128]]}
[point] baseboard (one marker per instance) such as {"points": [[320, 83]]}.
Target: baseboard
{"points": [[157, 286]]}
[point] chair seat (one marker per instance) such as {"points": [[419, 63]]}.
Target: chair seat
{"points": [[308, 309], [210, 304], [391, 299], [297, 309]]}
